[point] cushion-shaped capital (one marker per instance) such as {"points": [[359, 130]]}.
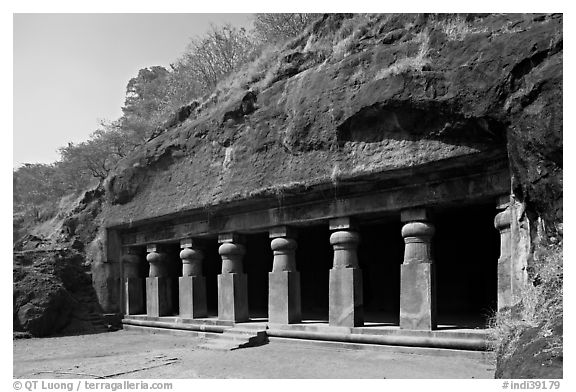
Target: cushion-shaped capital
{"points": [[283, 245], [189, 254], [231, 249], [418, 229], [344, 239], [503, 220]]}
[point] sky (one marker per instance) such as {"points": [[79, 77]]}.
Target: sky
{"points": [[71, 70]]}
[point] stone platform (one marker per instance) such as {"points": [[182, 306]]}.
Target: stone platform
{"points": [[447, 338]]}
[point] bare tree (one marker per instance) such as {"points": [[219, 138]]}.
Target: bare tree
{"points": [[210, 58], [272, 28]]}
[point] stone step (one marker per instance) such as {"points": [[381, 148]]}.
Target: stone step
{"points": [[235, 338]]}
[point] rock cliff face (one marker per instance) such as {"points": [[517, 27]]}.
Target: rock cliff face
{"points": [[401, 90]]}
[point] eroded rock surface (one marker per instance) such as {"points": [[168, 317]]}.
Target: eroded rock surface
{"points": [[410, 90]]}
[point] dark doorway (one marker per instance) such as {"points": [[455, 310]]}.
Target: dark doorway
{"points": [[257, 265], [314, 260], [211, 267], [174, 269], [143, 272], [380, 253], [466, 247]]}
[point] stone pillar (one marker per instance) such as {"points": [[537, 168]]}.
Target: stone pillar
{"points": [[284, 281], [192, 285], [521, 234], [345, 286], [417, 280], [502, 223], [133, 283], [232, 282], [158, 284]]}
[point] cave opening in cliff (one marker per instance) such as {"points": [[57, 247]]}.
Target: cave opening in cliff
{"points": [[313, 261], [466, 248], [257, 264], [211, 267], [380, 254]]}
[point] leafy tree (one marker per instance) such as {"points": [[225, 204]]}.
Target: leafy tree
{"points": [[34, 183], [97, 156], [145, 95]]}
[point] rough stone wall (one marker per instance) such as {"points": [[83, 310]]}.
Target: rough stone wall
{"points": [[410, 90]]}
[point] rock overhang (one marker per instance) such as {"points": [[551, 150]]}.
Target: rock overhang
{"points": [[373, 111]]}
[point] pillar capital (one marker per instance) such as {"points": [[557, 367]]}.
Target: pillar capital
{"points": [[191, 262], [503, 220], [283, 245], [418, 230], [284, 250], [344, 239], [417, 237], [345, 243], [157, 259], [231, 249], [232, 255]]}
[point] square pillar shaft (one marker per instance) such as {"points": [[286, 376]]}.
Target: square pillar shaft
{"points": [[284, 297], [233, 297], [192, 296], [417, 297], [502, 222], [345, 308], [134, 295], [158, 296]]}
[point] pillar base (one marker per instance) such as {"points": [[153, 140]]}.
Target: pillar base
{"points": [[284, 297], [158, 296], [134, 296], [346, 302], [192, 296], [417, 297], [233, 297]]}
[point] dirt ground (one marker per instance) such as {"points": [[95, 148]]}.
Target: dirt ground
{"points": [[129, 354]]}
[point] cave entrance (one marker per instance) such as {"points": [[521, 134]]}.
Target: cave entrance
{"points": [[314, 260], [466, 248], [380, 254], [257, 264]]}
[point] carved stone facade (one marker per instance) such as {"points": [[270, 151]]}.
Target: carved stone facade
{"points": [[411, 201]]}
